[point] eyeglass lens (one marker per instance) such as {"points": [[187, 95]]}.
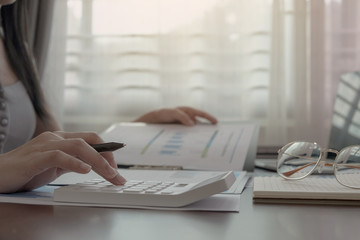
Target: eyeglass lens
{"points": [[298, 159], [347, 167]]}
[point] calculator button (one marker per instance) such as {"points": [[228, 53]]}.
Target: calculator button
{"points": [[146, 185], [110, 190], [130, 190], [114, 188], [151, 191], [153, 182], [105, 184], [166, 192], [129, 184], [89, 188], [169, 183], [134, 182], [96, 180], [136, 188], [85, 183]]}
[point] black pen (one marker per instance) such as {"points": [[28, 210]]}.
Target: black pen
{"points": [[108, 147]]}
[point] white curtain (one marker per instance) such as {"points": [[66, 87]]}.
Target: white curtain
{"points": [[335, 50], [150, 54], [54, 68], [273, 61]]}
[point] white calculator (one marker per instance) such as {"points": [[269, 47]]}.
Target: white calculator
{"points": [[149, 188]]}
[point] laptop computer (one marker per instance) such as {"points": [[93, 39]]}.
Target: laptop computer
{"points": [[345, 127]]}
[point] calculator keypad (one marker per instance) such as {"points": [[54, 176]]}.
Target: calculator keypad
{"points": [[133, 186]]}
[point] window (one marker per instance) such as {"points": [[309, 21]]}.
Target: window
{"points": [[260, 60], [126, 58]]}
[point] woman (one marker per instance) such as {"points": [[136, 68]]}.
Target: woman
{"points": [[33, 150]]}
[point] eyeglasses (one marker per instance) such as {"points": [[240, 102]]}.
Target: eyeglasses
{"points": [[298, 160]]}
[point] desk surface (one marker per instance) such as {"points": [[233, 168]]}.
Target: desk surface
{"points": [[254, 221]]}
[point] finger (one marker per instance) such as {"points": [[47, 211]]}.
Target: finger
{"points": [[59, 159], [44, 178], [198, 113], [90, 138], [109, 156], [77, 147], [182, 117]]}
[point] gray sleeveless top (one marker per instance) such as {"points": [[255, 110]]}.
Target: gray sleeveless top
{"points": [[17, 117]]}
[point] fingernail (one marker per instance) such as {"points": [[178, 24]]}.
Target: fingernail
{"points": [[85, 167], [112, 172], [120, 179]]}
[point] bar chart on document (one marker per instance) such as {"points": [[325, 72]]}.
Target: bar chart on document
{"points": [[207, 147]]}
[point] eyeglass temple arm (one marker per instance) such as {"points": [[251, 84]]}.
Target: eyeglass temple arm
{"points": [[289, 173]]}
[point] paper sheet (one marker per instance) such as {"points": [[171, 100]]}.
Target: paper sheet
{"points": [[228, 201], [203, 147], [43, 196]]}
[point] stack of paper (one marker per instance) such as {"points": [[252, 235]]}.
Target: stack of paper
{"points": [[313, 189], [220, 147]]}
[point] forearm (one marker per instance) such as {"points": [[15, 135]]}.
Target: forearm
{"points": [[149, 117], [184, 115]]}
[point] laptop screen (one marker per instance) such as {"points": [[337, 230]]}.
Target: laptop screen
{"points": [[345, 128]]}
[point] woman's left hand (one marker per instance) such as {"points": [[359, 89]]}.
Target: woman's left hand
{"points": [[183, 115]]}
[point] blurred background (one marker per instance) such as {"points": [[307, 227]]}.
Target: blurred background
{"points": [[276, 62]]}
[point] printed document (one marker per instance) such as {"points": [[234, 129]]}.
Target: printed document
{"points": [[201, 147]]}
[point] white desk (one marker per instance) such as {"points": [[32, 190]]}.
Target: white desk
{"points": [[255, 221]]}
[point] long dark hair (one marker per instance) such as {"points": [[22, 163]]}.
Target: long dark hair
{"points": [[14, 21]]}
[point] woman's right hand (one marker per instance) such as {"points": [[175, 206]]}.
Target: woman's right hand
{"points": [[51, 154]]}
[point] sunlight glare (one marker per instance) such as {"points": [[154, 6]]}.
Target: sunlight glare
{"points": [[112, 17]]}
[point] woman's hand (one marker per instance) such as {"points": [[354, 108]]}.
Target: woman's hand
{"points": [[51, 154], [183, 115]]}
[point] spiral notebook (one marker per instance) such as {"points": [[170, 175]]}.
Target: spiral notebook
{"points": [[312, 190]]}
